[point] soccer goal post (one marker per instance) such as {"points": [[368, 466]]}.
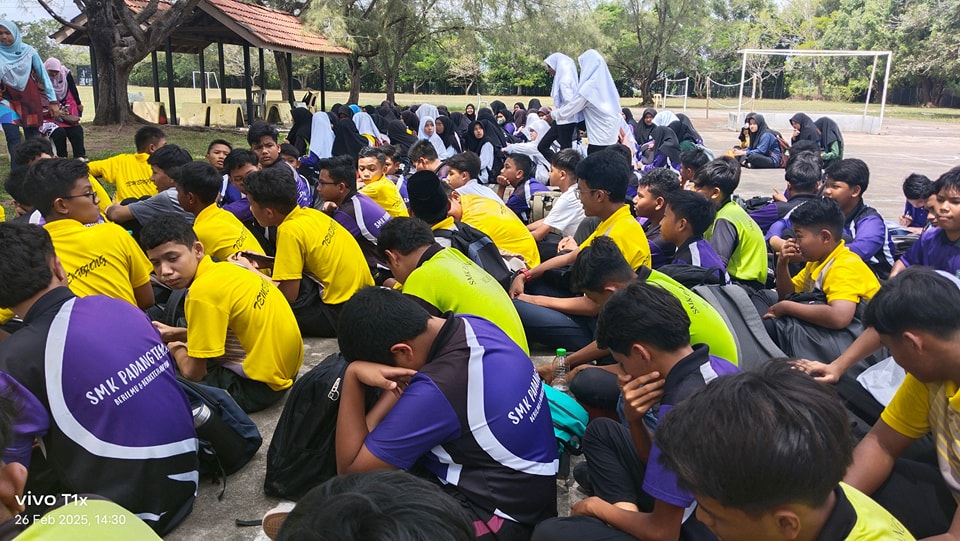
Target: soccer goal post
{"points": [[825, 53], [666, 90]]}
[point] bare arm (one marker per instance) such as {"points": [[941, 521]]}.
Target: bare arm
{"points": [[539, 230], [577, 306], [865, 345], [290, 289], [898, 267], [835, 315], [874, 456], [117, 213], [661, 525], [568, 258], [144, 296]]}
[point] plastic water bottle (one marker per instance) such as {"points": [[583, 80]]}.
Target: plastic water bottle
{"points": [[560, 371]]}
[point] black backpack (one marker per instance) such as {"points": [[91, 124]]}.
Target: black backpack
{"points": [[480, 249], [302, 453]]}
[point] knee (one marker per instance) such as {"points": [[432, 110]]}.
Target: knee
{"points": [[598, 434]]}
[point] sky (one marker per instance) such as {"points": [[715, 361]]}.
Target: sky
{"points": [[30, 10]]}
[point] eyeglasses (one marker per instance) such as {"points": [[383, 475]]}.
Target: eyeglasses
{"points": [[592, 191], [92, 195], [328, 183]]}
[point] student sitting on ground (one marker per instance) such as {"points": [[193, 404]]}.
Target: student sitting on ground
{"points": [[237, 165], [24, 209], [221, 233], [917, 316], [313, 252], [803, 185], [567, 211], [131, 173], [443, 279], [217, 152], [915, 189], [518, 172], [652, 190], [264, 140], [864, 228], [99, 260], [686, 216], [95, 385], [690, 162], [359, 214], [495, 454], [462, 171], [29, 152], [372, 164], [497, 222], [241, 334], [763, 150], [165, 164], [291, 156], [599, 272], [938, 247], [794, 434], [646, 330], [423, 156], [734, 235], [832, 268]]}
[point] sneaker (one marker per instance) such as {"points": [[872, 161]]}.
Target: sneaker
{"points": [[273, 520]]}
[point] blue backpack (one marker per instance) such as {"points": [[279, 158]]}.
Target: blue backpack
{"points": [[569, 420]]}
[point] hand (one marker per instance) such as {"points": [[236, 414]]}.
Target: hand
{"points": [[790, 252], [329, 207], [587, 507], [545, 371], [244, 262], [905, 221], [778, 196], [566, 243], [739, 153], [516, 287], [390, 378], [170, 334], [577, 369], [54, 109], [502, 180], [80, 107], [780, 309], [640, 394], [822, 372]]}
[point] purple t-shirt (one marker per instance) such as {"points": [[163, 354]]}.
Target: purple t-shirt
{"points": [[519, 200], [363, 218], [692, 373], [476, 416], [661, 251], [933, 249], [699, 252], [918, 215]]}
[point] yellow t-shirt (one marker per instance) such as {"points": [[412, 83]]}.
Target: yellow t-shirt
{"points": [[842, 276], [129, 172], [918, 408], [222, 234], [386, 194], [102, 520], [309, 240], [101, 259], [102, 194], [501, 225], [6, 315], [624, 230], [225, 297], [874, 523]]}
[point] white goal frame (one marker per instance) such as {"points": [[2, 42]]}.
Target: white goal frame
{"points": [[826, 53]]}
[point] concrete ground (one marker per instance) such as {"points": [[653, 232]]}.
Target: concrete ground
{"points": [[905, 146]]}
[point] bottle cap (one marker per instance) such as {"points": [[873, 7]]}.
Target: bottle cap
{"points": [[561, 351]]}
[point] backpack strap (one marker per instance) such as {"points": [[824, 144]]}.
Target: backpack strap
{"points": [[176, 300]]}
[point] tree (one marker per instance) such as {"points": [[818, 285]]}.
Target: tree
{"points": [[120, 38], [37, 34]]}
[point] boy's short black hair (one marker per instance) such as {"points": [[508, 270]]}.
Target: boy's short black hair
{"points": [[286, 149], [904, 303], [722, 173], [567, 159], [523, 163], [29, 150], [599, 264], [391, 151], [146, 136], [216, 142], [916, 186], [167, 228], [765, 438], [606, 171], [261, 129], [15, 186], [693, 207], [949, 181], [377, 505], [341, 169], [239, 157], [375, 319], [805, 149], [168, 158], [466, 162], [428, 200], [403, 235], [25, 254], [819, 213], [202, 180], [803, 174], [272, 187], [850, 171], [623, 151], [694, 159], [642, 313], [660, 181], [422, 149], [373, 152], [50, 179]]}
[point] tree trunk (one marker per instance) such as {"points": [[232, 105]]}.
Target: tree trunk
{"points": [[466, 92], [112, 106], [354, 63], [926, 87], [391, 84], [281, 61], [646, 95]]}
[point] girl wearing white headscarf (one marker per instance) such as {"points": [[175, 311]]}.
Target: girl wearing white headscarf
{"points": [[66, 125], [368, 128], [597, 97], [428, 132], [563, 91], [321, 139], [24, 81]]}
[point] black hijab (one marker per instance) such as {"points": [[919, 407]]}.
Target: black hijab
{"points": [[411, 119], [533, 104], [449, 136], [808, 130], [485, 113], [642, 132], [346, 138], [490, 135], [299, 135], [345, 110], [829, 133], [684, 130], [470, 116], [628, 116], [497, 105], [388, 114], [461, 123], [666, 141], [336, 107], [761, 127], [397, 132]]}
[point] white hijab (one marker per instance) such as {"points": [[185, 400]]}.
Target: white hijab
{"points": [[426, 109], [565, 82], [665, 118], [596, 83], [531, 118], [366, 126], [434, 139], [539, 126], [321, 135]]}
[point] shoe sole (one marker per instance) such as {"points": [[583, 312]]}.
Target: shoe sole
{"points": [[273, 522]]}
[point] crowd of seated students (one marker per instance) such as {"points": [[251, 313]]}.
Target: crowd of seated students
{"points": [[273, 250]]}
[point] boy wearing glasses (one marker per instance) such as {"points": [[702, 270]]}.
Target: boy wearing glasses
{"points": [[100, 259]]}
